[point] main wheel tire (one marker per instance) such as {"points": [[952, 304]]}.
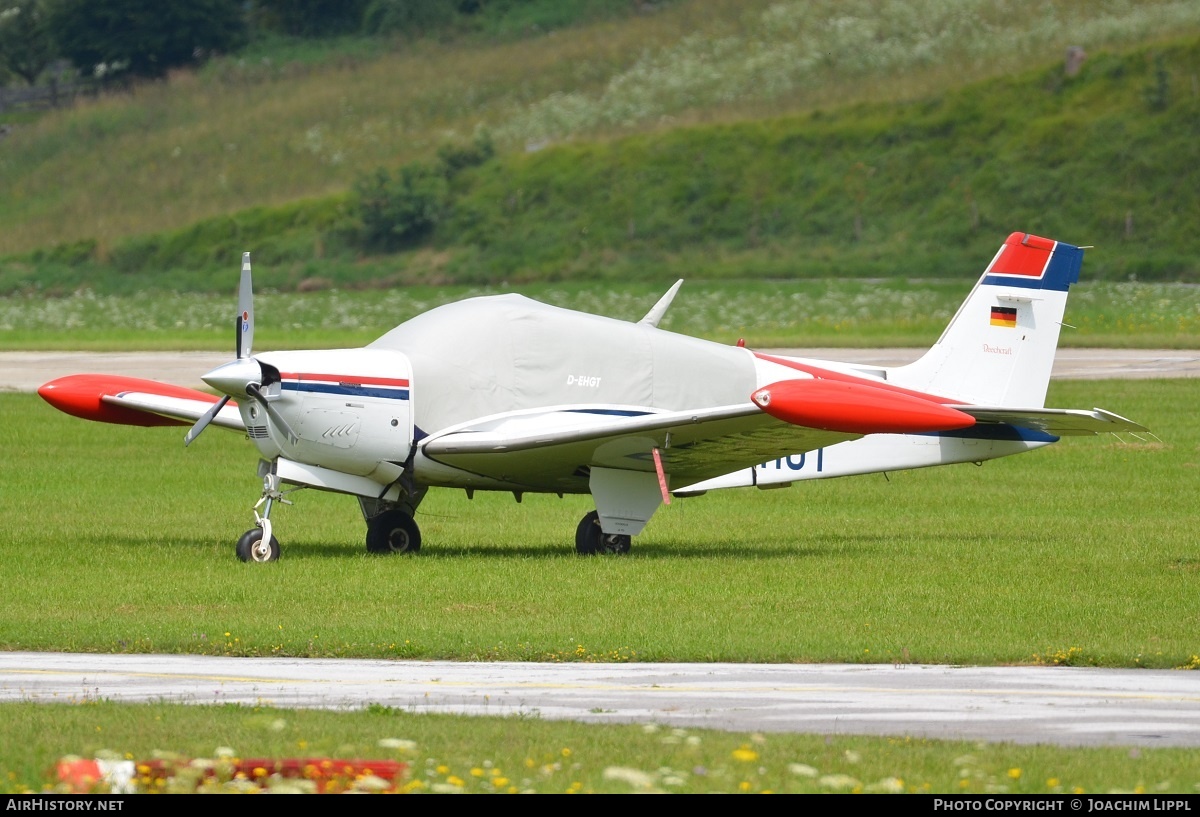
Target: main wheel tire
{"points": [[590, 539], [251, 548], [393, 532]]}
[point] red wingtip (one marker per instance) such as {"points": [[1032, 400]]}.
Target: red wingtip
{"points": [[81, 395], [855, 408]]}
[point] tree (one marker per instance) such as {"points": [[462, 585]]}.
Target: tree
{"points": [[25, 45], [145, 38], [310, 18]]}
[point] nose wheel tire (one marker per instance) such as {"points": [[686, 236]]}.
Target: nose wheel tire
{"points": [[589, 538], [252, 548], [393, 532]]}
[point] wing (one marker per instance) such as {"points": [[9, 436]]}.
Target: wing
{"points": [[1060, 422], [134, 401], [554, 450]]}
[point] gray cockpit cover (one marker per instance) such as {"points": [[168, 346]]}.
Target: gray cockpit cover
{"points": [[503, 353]]}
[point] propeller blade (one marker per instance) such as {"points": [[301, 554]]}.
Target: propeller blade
{"points": [[253, 390], [205, 419], [245, 315]]}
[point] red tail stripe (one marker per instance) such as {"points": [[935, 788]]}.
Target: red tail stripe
{"points": [[827, 374]]}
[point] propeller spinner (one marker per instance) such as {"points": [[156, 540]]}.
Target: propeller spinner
{"points": [[244, 376]]}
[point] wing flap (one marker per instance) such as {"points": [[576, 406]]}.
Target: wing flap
{"points": [[1060, 422]]}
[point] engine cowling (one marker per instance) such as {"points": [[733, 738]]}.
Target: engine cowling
{"points": [[350, 409]]}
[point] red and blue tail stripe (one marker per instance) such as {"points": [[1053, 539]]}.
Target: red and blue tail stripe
{"points": [[1032, 262], [348, 385]]}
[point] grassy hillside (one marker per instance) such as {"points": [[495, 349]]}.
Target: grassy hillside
{"points": [[710, 139]]}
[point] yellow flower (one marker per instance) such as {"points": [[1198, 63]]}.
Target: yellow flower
{"points": [[1015, 774], [745, 754]]}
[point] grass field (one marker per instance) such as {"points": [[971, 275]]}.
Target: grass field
{"points": [[1083, 553], [484, 755], [830, 312], [119, 540], [122, 541]]}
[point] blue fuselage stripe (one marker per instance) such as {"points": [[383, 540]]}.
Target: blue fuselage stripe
{"points": [[348, 390]]}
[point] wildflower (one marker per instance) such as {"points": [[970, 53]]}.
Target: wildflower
{"points": [[802, 770], [838, 781], [1014, 773], [398, 743], [370, 782], [745, 754], [634, 777]]}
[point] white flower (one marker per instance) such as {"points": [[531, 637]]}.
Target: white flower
{"points": [[634, 777], [839, 781], [398, 743]]}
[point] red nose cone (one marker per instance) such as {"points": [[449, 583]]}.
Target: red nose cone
{"points": [[855, 408]]}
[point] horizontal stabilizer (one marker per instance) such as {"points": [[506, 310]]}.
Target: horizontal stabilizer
{"points": [[1060, 422]]}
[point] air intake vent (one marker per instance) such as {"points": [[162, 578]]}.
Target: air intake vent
{"points": [[257, 432]]}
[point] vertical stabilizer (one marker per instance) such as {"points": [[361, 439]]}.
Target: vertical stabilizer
{"points": [[999, 348]]}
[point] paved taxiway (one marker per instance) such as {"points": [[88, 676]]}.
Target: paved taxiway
{"points": [[1069, 706], [1059, 705], [25, 371]]}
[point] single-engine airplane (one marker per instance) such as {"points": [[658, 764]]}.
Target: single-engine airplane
{"points": [[503, 393]]}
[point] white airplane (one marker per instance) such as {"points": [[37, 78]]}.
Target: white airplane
{"points": [[502, 393]]}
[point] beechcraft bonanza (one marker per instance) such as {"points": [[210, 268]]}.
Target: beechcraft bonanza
{"points": [[503, 393]]}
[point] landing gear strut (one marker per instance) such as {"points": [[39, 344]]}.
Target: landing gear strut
{"points": [[258, 544], [589, 538]]}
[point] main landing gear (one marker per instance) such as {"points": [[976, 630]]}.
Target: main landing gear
{"points": [[589, 538], [393, 531]]}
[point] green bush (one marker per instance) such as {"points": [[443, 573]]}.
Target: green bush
{"points": [[400, 210]]}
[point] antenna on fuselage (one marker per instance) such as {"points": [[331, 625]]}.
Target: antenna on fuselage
{"points": [[659, 309]]}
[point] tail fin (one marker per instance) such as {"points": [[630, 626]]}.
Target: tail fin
{"points": [[999, 348]]}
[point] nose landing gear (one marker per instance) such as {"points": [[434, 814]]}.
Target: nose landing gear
{"points": [[259, 544]]}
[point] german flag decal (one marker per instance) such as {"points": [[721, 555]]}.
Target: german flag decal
{"points": [[1004, 316]]}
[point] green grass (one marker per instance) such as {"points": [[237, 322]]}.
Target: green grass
{"points": [[483, 754], [125, 544], [119, 540], [895, 312]]}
